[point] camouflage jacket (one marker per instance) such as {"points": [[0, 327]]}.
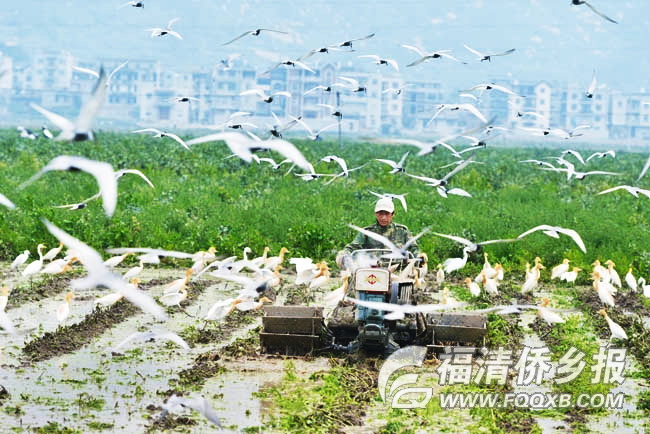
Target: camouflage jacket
{"points": [[398, 234]]}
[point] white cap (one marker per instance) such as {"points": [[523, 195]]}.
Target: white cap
{"points": [[385, 204]]}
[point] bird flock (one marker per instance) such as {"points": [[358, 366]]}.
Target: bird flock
{"points": [[255, 277]]}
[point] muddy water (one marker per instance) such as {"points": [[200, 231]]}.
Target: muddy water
{"points": [[91, 385], [626, 419]]}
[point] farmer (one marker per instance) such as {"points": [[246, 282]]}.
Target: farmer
{"points": [[398, 234]]}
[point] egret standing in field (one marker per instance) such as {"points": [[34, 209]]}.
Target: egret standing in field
{"points": [[631, 280], [19, 260], [617, 330], [63, 311], [571, 276], [35, 266], [559, 270]]}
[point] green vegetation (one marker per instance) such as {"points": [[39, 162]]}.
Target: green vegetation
{"points": [[55, 428], [325, 401], [202, 199]]}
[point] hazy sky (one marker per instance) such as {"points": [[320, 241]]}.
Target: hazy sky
{"points": [[553, 39]]}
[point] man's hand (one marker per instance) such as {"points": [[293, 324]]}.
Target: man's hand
{"points": [[423, 258]]}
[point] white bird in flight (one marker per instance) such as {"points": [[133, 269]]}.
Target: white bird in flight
{"points": [[267, 98], [167, 30], [313, 135], [6, 202], [396, 252], [634, 191], [471, 246], [426, 56], [471, 108], [80, 129], [255, 32], [592, 86], [397, 166], [151, 336], [482, 56], [491, 86], [100, 275], [381, 61], [584, 2], [176, 404], [159, 133], [103, 173], [241, 145], [348, 43], [400, 197], [555, 231], [96, 74], [397, 311]]}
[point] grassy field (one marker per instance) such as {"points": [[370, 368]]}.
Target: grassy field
{"points": [[201, 199]]}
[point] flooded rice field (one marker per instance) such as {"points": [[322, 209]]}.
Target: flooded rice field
{"points": [[80, 375]]}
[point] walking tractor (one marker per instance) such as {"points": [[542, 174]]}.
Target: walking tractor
{"points": [[351, 327]]}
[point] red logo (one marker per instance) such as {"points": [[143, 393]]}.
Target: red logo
{"points": [[372, 279]]}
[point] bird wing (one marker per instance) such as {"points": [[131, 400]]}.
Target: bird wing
{"points": [[435, 115], [458, 168], [599, 13], [304, 124], [289, 151], [382, 239], [512, 50], [6, 202], [370, 56], [412, 240], [405, 308], [178, 139], [273, 30], [549, 230], [90, 108], [391, 163], [98, 274], [173, 337], [132, 336], [575, 154], [64, 124], [592, 85], [340, 161], [473, 110], [103, 173], [457, 239], [239, 144], [303, 66], [458, 192], [258, 92], [609, 190], [117, 68], [644, 170], [282, 93], [420, 52], [174, 33], [148, 130], [327, 127], [121, 172], [86, 70], [478, 53], [393, 63], [202, 405], [239, 37], [315, 88]]}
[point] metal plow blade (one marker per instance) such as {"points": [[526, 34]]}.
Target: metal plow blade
{"points": [[292, 330]]}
